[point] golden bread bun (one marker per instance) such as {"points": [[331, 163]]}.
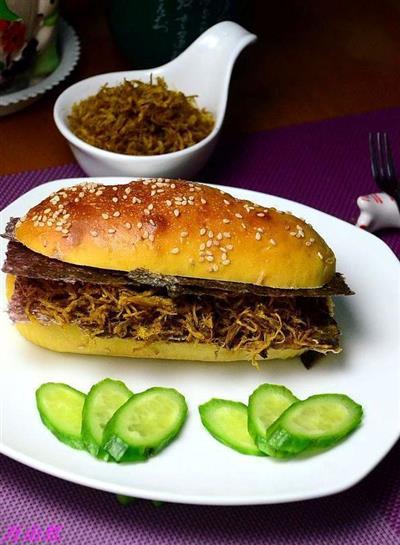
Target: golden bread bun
{"points": [[72, 338], [179, 228]]}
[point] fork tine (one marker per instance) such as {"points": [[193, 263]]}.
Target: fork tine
{"points": [[373, 157], [381, 155], [389, 157]]}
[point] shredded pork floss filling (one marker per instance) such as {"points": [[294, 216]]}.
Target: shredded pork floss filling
{"points": [[233, 321]]}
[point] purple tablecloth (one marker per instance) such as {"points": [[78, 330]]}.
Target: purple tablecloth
{"points": [[324, 165]]}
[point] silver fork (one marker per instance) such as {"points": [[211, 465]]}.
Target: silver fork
{"points": [[382, 165]]}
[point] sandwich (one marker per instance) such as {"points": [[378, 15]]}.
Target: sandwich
{"points": [[170, 269]]}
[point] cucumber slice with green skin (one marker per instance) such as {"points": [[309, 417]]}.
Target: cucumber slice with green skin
{"points": [[317, 422], [145, 424], [227, 422], [60, 408], [103, 400], [125, 500], [266, 404]]}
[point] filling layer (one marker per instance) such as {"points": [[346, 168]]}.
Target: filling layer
{"points": [[232, 321]]}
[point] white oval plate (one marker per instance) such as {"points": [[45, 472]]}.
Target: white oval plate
{"points": [[195, 468]]}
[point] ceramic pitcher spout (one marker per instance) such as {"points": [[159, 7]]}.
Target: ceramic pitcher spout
{"points": [[220, 45], [206, 65]]}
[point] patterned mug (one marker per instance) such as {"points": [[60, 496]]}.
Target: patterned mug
{"points": [[28, 49]]}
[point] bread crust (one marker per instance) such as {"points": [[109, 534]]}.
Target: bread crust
{"points": [[75, 340], [179, 228]]}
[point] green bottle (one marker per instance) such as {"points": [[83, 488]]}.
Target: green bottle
{"points": [[152, 32]]}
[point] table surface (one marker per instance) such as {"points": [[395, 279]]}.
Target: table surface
{"points": [[313, 60]]}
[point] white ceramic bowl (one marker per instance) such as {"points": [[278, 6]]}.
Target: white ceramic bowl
{"points": [[203, 69]]}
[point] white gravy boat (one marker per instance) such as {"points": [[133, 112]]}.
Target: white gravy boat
{"points": [[203, 69]]}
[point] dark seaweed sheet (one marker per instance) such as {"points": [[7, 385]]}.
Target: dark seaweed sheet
{"points": [[21, 261]]}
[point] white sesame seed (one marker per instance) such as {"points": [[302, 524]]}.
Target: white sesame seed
{"points": [[203, 231], [214, 268], [172, 186], [243, 225], [111, 231], [308, 243], [292, 233], [272, 241], [150, 206], [105, 216], [58, 228], [258, 235], [176, 212], [320, 255], [116, 214], [225, 220], [145, 235], [184, 234], [94, 233], [49, 223], [226, 234], [114, 199], [81, 194], [226, 262], [224, 256], [151, 238], [209, 243], [260, 214], [115, 188], [127, 190], [238, 215], [219, 236], [210, 258], [203, 201], [146, 212], [139, 225], [202, 246], [312, 240], [175, 251], [210, 234], [168, 202], [226, 202], [153, 192], [76, 200], [128, 225], [65, 231], [47, 210]]}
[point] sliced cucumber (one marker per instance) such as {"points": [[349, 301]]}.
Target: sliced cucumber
{"points": [[103, 400], [60, 408], [317, 422], [266, 404], [227, 422], [145, 424]]}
